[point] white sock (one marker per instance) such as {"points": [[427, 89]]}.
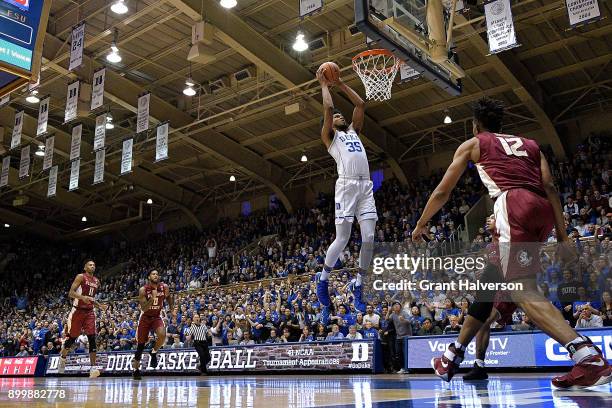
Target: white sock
{"points": [[459, 346], [325, 274], [479, 363], [358, 280]]}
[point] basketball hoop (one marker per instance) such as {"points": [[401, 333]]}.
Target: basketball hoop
{"points": [[377, 70]]}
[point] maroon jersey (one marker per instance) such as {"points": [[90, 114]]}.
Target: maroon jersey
{"points": [[158, 303], [88, 287], [508, 162], [493, 250]]}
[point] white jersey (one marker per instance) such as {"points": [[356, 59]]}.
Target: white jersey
{"points": [[350, 155]]}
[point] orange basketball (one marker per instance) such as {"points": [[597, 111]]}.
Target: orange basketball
{"points": [[331, 72]]}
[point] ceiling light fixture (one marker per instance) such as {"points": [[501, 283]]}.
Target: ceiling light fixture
{"points": [[304, 159], [232, 178], [300, 44], [228, 4], [149, 201], [41, 151], [447, 118], [109, 122], [119, 7], [7, 225], [32, 98], [189, 91], [114, 56], [84, 219]]}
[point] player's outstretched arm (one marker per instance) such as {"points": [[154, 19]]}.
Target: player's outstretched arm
{"points": [[359, 111], [469, 150], [553, 196], [328, 108]]}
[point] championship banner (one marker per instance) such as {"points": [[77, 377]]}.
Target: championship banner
{"points": [[99, 167], [308, 7], [126, 156], [72, 101], [52, 187], [75, 142], [97, 90], [312, 356], [582, 11], [161, 143], [500, 26], [76, 50], [6, 164], [407, 73], [5, 100], [24, 163], [16, 136], [48, 160], [18, 366], [142, 123], [100, 132], [74, 175], [43, 116]]}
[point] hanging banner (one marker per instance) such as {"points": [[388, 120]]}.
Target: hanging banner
{"points": [[43, 116], [407, 73], [6, 164], [24, 163], [72, 101], [582, 11], [142, 124], [5, 100], [99, 167], [126, 156], [100, 132], [16, 137], [97, 90], [76, 51], [74, 175], [48, 160], [500, 26], [52, 187], [308, 7], [161, 143], [75, 143]]}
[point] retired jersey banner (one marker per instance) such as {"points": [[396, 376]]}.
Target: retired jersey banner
{"points": [[52, 187], [6, 164], [500, 26], [24, 163], [72, 101], [74, 175], [310, 6], [43, 116], [99, 167], [582, 11], [126, 156], [77, 45], [407, 73], [75, 142], [97, 90], [48, 160], [17, 126], [161, 142], [100, 132], [142, 123]]}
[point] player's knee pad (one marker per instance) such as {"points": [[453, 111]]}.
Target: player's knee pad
{"points": [[139, 350], [91, 339], [69, 343], [480, 310]]}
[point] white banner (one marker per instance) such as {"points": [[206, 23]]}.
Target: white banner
{"points": [[582, 11], [52, 187], [97, 90], [75, 143], [16, 137], [6, 164], [76, 50], [310, 6], [48, 160], [99, 167], [161, 143], [74, 174], [24, 163], [500, 27], [72, 101], [5, 100], [408, 73], [43, 116], [142, 123], [126, 156], [100, 132]]}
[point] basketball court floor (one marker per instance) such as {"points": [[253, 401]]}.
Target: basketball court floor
{"points": [[501, 390]]}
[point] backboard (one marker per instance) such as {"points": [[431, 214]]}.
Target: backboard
{"points": [[416, 31]]}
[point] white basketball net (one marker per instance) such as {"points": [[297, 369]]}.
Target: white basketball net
{"points": [[377, 72]]}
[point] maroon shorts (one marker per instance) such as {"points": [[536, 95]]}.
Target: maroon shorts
{"points": [[81, 320], [523, 220], [505, 307], [145, 325]]}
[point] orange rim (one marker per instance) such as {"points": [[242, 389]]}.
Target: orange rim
{"points": [[371, 53]]}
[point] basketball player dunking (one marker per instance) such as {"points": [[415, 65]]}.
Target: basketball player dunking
{"points": [[354, 197], [527, 205], [151, 299], [82, 316]]}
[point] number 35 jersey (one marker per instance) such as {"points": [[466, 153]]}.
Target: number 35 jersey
{"points": [[508, 162], [349, 153]]}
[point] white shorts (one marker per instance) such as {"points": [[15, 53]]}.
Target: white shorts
{"points": [[354, 199]]}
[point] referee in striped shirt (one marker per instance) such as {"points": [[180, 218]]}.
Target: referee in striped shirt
{"points": [[199, 333]]}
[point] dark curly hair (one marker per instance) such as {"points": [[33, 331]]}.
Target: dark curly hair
{"points": [[333, 113], [489, 113]]}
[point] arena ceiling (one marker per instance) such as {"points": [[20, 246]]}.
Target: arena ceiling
{"points": [[242, 129]]}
